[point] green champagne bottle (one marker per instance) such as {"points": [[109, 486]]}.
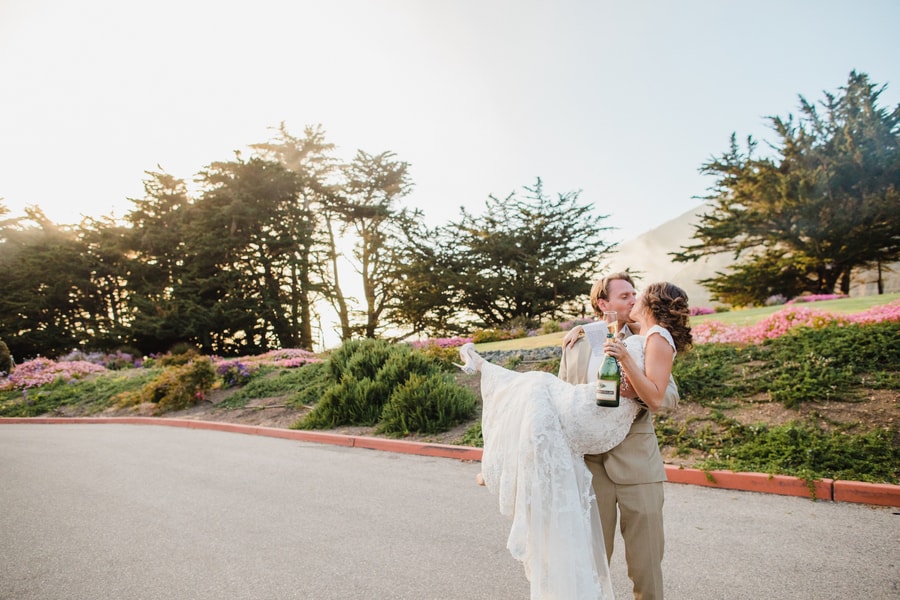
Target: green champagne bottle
{"points": [[609, 380]]}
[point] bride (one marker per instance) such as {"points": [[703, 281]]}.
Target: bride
{"points": [[537, 429]]}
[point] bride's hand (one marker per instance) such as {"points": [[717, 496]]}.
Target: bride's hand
{"points": [[614, 348], [572, 336], [617, 350]]}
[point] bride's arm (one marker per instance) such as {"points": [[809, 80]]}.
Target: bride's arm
{"points": [[650, 383]]}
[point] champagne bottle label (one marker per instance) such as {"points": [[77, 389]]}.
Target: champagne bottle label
{"points": [[607, 392]]}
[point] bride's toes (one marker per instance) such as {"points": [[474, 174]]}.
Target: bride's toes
{"points": [[479, 479]]}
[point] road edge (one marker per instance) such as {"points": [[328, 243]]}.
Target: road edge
{"points": [[881, 494]]}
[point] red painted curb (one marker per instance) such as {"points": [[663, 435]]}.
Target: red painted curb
{"points": [[753, 482], [882, 494]]}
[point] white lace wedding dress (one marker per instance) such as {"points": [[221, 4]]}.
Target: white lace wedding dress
{"points": [[537, 429]]}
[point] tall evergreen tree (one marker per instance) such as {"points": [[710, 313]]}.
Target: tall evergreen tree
{"points": [[369, 207], [315, 272], [528, 257], [246, 235], [44, 275], [826, 204], [158, 264], [105, 303]]}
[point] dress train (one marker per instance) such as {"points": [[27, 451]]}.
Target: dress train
{"points": [[536, 430]]}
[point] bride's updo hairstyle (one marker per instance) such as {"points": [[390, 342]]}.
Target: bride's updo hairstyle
{"points": [[668, 304]]}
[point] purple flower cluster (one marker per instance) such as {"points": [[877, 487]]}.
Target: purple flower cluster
{"points": [[234, 372]]}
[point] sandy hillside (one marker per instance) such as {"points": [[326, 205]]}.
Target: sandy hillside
{"points": [[647, 255]]}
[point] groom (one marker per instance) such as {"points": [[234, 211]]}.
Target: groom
{"points": [[628, 479]]}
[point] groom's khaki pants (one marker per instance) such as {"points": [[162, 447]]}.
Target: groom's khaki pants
{"points": [[641, 526]]}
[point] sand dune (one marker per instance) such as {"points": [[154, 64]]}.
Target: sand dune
{"points": [[647, 256]]}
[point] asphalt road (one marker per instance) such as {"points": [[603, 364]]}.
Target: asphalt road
{"points": [[125, 512]]}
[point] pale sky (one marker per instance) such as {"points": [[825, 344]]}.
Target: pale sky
{"points": [[622, 100]]}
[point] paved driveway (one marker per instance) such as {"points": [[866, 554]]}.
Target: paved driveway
{"points": [[142, 512]]}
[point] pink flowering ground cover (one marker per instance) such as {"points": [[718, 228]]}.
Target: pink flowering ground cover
{"points": [[42, 371], [284, 357], [783, 321], [450, 342]]}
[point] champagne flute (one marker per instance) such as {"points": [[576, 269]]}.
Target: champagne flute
{"points": [[612, 322]]}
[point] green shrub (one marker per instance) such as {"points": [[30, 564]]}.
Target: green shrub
{"points": [[181, 354], [180, 348], [426, 404], [299, 386], [512, 361], [806, 449], [825, 364], [811, 452], [308, 384], [357, 389], [473, 437], [861, 347], [550, 327], [361, 377], [812, 378], [445, 357], [351, 401], [360, 359], [497, 335], [401, 364], [806, 365], [706, 373], [175, 387]]}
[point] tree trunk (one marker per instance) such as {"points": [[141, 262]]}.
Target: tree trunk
{"points": [[337, 300], [305, 317], [845, 282]]}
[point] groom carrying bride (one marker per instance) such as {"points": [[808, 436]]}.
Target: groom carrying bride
{"points": [[627, 480], [538, 429]]}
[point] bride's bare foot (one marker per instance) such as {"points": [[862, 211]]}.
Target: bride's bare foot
{"points": [[471, 360], [479, 479]]}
